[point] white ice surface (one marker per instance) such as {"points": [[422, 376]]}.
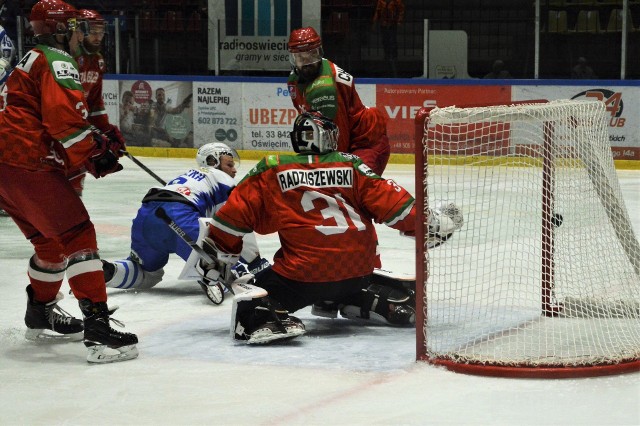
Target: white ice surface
{"points": [[190, 372]]}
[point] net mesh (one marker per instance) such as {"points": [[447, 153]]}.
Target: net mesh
{"points": [[546, 268]]}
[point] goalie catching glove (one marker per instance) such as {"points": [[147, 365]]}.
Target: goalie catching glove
{"points": [[444, 219]]}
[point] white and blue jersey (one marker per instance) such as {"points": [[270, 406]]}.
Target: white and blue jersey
{"points": [[8, 53], [205, 188], [194, 194]]}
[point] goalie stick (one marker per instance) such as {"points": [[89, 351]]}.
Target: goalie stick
{"points": [[162, 214]]}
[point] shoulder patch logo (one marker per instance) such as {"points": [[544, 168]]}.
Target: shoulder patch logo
{"points": [[27, 61], [293, 90], [65, 70], [184, 190]]}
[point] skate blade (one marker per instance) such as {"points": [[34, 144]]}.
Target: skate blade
{"points": [[42, 335], [102, 354], [262, 337]]}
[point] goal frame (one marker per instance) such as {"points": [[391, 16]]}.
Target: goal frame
{"points": [[547, 306]]}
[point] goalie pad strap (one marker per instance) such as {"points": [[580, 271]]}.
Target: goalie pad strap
{"points": [[377, 297]]}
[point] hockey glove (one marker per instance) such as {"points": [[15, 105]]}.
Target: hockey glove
{"points": [[116, 141], [255, 267], [102, 160]]}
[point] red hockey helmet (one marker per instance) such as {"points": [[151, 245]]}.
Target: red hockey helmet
{"points": [[90, 15], [304, 40], [53, 17], [95, 22], [305, 47]]}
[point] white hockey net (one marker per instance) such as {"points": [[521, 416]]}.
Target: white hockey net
{"points": [[543, 278]]}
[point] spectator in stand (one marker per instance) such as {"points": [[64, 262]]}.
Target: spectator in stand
{"points": [[389, 14], [128, 112], [498, 71], [582, 71], [317, 84], [158, 114], [91, 67]]}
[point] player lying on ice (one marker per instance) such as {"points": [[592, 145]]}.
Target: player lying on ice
{"points": [[323, 205], [197, 193]]}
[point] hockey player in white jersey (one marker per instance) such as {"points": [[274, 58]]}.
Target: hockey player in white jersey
{"points": [[197, 193], [7, 56]]}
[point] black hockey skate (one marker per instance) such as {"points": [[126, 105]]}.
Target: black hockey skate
{"points": [[108, 269], [49, 316], [103, 342]]}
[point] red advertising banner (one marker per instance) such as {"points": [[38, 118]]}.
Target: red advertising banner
{"points": [[400, 103]]}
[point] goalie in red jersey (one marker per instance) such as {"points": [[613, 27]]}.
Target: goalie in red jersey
{"points": [[323, 205], [317, 84]]}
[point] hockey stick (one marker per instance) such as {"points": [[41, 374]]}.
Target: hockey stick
{"points": [[162, 214], [143, 167]]}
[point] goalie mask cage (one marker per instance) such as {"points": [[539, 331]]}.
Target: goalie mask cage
{"points": [[543, 278]]}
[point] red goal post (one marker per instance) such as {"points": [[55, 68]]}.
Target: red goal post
{"points": [[543, 279]]}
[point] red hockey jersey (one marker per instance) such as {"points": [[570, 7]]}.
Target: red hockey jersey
{"points": [[92, 67], [322, 207], [43, 125], [334, 94]]}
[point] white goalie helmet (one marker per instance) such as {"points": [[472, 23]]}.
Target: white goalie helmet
{"points": [[208, 155], [314, 133]]}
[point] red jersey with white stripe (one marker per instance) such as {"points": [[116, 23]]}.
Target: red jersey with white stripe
{"points": [[92, 67], [322, 207], [43, 126]]}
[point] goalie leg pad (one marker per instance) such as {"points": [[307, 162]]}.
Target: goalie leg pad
{"points": [[258, 319], [385, 305]]}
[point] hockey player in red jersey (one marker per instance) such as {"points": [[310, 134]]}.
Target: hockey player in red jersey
{"points": [[317, 84], [44, 135], [323, 205], [92, 67]]}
